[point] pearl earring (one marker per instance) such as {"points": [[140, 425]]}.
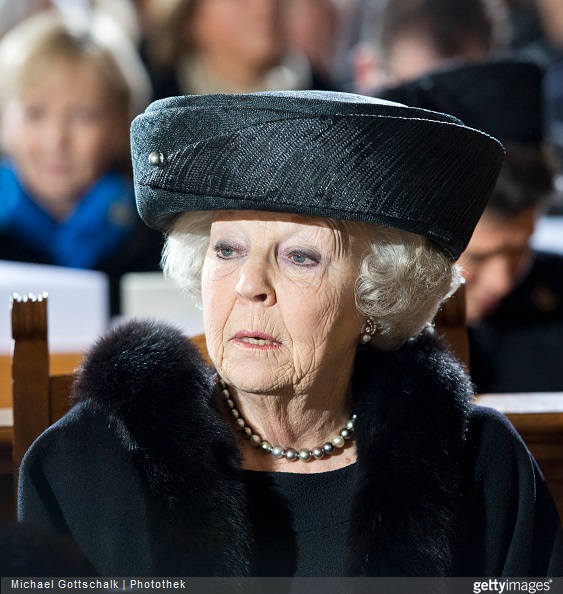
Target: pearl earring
{"points": [[368, 330]]}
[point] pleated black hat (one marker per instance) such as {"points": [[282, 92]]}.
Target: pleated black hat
{"points": [[317, 153], [502, 97]]}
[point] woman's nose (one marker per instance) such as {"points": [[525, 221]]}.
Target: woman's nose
{"points": [[55, 134], [254, 284]]}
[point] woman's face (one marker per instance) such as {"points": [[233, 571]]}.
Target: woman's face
{"points": [[278, 299], [245, 31], [62, 132]]}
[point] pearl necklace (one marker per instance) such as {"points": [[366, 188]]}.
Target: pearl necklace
{"points": [[277, 451]]}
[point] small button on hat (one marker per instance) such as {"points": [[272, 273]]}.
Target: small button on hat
{"points": [[316, 153]]}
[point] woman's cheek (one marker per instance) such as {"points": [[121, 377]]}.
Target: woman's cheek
{"points": [[218, 270], [305, 278], [217, 299]]}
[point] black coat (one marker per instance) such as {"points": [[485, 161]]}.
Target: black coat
{"points": [[145, 476], [519, 348]]}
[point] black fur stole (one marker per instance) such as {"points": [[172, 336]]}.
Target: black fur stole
{"points": [[412, 409]]}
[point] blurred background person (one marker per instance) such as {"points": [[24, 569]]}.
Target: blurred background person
{"points": [[402, 39], [151, 13], [122, 11], [550, 14], [68, 93], [398, 40], [315, 28], [514, 295], [222, 46], [12, 13]]}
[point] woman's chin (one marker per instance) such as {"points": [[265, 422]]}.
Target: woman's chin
{"points": [[255, 379]]}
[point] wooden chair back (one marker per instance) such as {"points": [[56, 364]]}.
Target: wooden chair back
{"points": [[39, 398]]}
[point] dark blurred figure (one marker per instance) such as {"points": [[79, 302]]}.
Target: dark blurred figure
{"points": [[514, 296], [545, 44], [29, 551], [402, 39], [313, 28], [219, 46], [66, 193]]}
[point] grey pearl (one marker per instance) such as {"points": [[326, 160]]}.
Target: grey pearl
{"points": [[291, 454], [365, 338], [235, 413], [345, 433], [231, 403], [278, 452], [304, 455], [338, 441], [350, 425], [247, 431], [156, 158], [328, 448], [240, 423], [318, 453], [225, 394], [255, 440], [266, 446]]}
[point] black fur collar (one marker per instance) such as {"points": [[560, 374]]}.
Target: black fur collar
{"points": [[412, 408]]}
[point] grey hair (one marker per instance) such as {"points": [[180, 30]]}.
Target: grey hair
{"points": [[184, 251], [402, 282], [403, 277]]}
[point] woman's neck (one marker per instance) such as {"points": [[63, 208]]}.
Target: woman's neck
{"points": [[202, 74], [303, 419]]}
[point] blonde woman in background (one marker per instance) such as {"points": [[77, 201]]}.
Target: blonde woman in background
{"points": [[67, 97]]}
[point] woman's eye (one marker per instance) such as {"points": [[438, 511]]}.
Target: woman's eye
{"points": [[224, 251], [302, 259], [33, 113], [84, 114]]}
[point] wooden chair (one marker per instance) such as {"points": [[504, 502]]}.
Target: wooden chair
{"points": [[39, 398]]}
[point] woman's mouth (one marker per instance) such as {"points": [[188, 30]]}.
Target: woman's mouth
{"points": [[251, 339]]}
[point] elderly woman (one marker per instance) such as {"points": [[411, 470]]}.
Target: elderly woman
{"points": [[334, 435]]}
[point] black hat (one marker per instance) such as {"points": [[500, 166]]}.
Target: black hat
{"points": [[502, 97], [314, 153]]}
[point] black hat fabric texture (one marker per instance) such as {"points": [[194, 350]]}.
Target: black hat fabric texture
{"points": [[502, 97], [326, 154]]}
